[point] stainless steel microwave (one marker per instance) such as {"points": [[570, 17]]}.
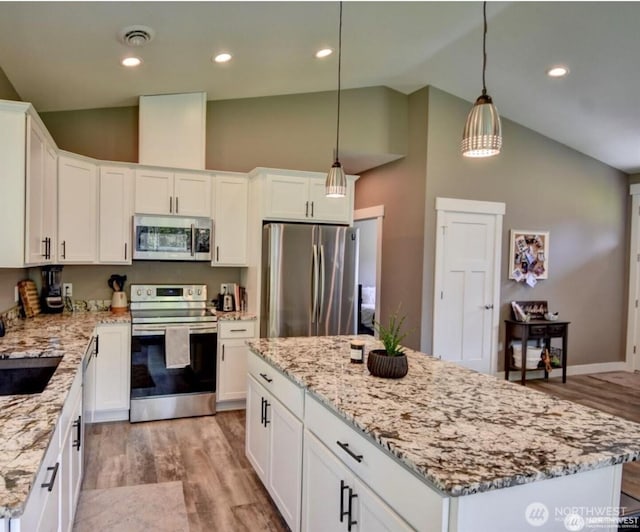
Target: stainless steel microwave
{"points": [[157, 237]]}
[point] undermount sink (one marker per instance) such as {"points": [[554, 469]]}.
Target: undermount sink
{"points": [[19, 376]]}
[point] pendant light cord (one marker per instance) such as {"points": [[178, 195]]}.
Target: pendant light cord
{"points": [[339, 69], [484, 48]]}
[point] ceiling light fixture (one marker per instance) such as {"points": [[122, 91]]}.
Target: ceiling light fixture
{"points": [[336, 183], [557, 71], [325, 52], [131, 61], [222, 58], [482, 136]]}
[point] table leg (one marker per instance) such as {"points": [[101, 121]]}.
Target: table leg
{"points": [[507, 358], [547, 346], [565, 343], [523, 363]]}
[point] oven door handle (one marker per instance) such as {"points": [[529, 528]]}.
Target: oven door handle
{"points": [[158, 330]]}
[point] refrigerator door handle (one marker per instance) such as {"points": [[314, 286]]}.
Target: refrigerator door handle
{"points": [[314, 284], [322, 275]]}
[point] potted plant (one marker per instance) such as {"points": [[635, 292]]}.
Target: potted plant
{"points": [[390, 362]]}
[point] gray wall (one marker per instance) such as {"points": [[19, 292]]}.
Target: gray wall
{"points": [[368, 238], [548, 187]]}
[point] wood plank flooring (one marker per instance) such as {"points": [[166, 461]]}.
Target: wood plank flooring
{"points": [[617, 393], [221, 490]]}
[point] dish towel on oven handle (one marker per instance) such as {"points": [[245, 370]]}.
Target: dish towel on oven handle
{"points": [[176, 347]]}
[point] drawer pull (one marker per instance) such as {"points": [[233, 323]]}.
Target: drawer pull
{"points": [[345, 448], [49, 485], [78, 426], [264, 376], [238, 330], [266, 419]]}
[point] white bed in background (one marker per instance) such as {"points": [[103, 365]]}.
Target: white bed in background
{"points": [[368, 307]]}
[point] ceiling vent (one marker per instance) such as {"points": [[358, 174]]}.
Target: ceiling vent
{"points": [[136, 36]]}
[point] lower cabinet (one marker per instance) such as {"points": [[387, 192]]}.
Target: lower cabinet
{"points": [[52, 502], [232, 359], [108, 378], [333, 498], [274, 441]]}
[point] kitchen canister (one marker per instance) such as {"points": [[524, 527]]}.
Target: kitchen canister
{"points": [[357, 351]]}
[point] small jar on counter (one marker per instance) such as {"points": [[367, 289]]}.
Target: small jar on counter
{"points": [[357, 351]]}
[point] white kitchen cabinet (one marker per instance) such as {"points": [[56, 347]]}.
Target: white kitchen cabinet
{"points": [[115, 214], [41, 196], [335, 499], [108, 377], [77, 210], [291, 197], [26, 207], [53, 499], [166, 192], [230, 220], [274, 436], [232, 359]]}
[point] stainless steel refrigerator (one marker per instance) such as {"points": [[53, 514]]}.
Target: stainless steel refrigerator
{"points": [[309, 280]]}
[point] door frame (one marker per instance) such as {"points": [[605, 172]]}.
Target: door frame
{"points": [[497, 209], [374, 213], [632, 351]]}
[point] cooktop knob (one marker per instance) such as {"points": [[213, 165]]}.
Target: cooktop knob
{"points": [[148, 291], [190, 291], [139, 291], [199, 291]]}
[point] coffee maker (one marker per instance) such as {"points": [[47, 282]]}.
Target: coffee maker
{"points": [[51, 300]]}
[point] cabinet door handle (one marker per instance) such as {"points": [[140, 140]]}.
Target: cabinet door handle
{"points": [[64, 249], [125, 251], [97, 340], [217, 253], [78, 425], [170, 204], [265, 377], [351, 522], [48, 239], [312, 209], [49, 485], [267, 404], [177, 211], [45, 249], [238, 330], [345, 448], [306, 209], [262, 414], [343, 488], [222, 352], [488, 307]]}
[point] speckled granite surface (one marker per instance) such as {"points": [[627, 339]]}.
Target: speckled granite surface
{"points": [[235, 316], [27, 421], [462, 431]]}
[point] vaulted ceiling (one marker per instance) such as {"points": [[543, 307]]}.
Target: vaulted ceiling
{"points": [[66, 55]]}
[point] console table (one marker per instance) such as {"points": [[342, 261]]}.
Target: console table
{"points": [[532, 330]]}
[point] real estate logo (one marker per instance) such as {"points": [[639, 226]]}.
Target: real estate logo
{"points": [[574, 522], [536, 514]]}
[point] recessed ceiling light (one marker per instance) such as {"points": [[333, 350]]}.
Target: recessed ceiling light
{"points": [[131, 61], [222, 58], [325, 52], [557, 71]]}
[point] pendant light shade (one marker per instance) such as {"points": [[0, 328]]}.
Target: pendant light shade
{"points": [[482, 135], [336, 183]]}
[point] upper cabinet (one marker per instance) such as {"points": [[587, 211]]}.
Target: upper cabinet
{"points": [[300, 197], [166, 192], [115, 214], [77, 210], [41, 196], [230, 217]]}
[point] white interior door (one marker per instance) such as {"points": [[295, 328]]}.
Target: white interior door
{"points": [[466, 295]]}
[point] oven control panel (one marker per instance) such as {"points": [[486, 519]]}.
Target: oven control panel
{"points": [[150, 293]]}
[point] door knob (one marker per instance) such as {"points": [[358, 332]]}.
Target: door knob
{"points": [[488, 307]]}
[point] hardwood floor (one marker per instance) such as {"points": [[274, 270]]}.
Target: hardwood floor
{"points": [[617, 393], [221, 490]]}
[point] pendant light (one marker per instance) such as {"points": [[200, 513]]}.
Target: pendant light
{"points": [[336, 183], [482, 136]]}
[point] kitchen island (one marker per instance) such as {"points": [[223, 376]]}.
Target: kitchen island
{"points": [[497, 456]]}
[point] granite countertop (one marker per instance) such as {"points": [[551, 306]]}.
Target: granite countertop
{"points": [[462, 431], [235, 316], [27, 422]]}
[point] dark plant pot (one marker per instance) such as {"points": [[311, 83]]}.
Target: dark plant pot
{"points": [[382, 365]]}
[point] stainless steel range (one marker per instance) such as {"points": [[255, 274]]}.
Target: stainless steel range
{"points": [[173, 352]]}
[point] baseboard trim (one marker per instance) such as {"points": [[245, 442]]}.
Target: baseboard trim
{"points": [[239, 404], [581, 369]]}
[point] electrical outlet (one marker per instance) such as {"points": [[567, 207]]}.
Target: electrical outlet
{"points": [[67, 289], [16, 294]]}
